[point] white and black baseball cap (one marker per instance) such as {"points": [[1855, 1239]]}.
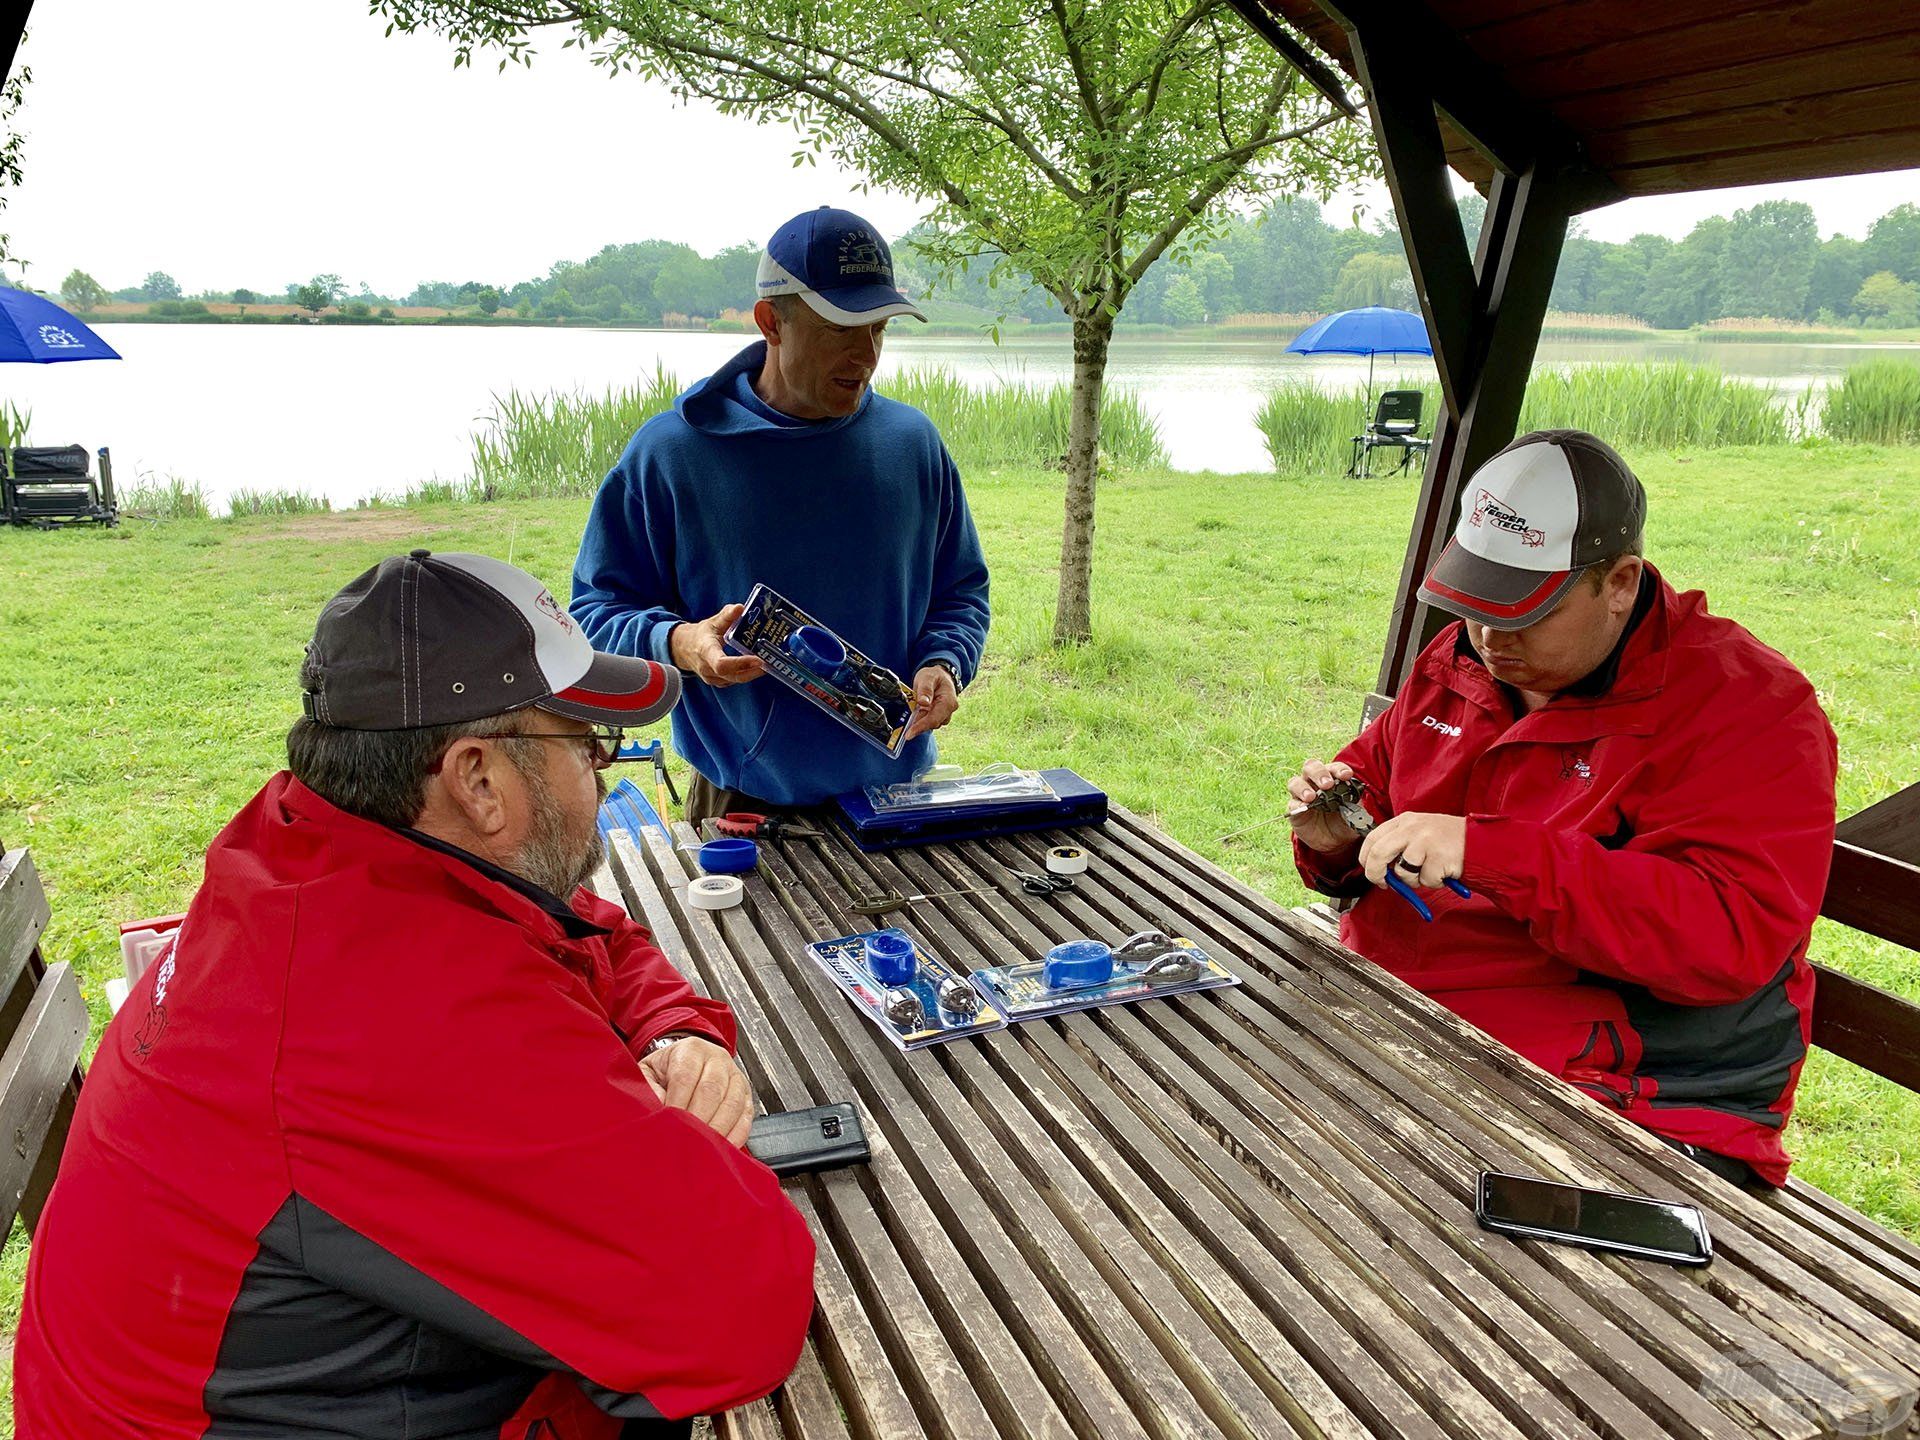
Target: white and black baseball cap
{"points": [[1531, 518], [838, 264], [424, 639]]}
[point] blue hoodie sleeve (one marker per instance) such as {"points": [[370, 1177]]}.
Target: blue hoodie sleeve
{"points": [[624, 595], [957, 613]]}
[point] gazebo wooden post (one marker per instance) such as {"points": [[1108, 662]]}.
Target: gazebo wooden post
{"points": [[1483, 314]]}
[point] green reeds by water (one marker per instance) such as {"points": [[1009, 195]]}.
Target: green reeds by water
{"points": [[276, 502], [1309, 432], [168, 499], [1877, 401], [537, 446], [1022, 424]]}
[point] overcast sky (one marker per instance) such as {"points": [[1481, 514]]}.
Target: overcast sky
{"points": [[233, 143]]}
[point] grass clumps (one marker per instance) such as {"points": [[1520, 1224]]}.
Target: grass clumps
{"points": [[1877, 402]]}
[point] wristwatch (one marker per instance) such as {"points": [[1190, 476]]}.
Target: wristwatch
{"points": [[951, 669], [672, 1037]]}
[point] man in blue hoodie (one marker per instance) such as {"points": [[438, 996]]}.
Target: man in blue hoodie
{"points": [[783, 468]]}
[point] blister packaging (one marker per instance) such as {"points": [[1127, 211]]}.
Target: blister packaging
{"points": [[1004, 783], [1146, 966], [922, 1002], [811, 660]]}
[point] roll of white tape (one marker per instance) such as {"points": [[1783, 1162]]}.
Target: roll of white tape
{"points": [[1066, 860], [716, 892]]}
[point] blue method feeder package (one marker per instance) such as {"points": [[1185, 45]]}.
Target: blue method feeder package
{"points": [[890, 957], [808, 658], [1077, 963]]}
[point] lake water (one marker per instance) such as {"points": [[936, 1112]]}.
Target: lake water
{"points": [[347, 412]]}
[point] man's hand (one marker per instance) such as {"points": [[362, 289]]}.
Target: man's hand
{"points": [[700, 1077], [1321, 830], [1423, 849], [697, 646], [934, 700]]}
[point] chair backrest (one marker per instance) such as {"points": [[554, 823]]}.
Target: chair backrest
{"points": [[43, 1025], [1399, 409], [56, 463]]}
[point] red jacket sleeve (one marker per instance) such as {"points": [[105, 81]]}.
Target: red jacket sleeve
{"points": [[517, 1183], [1370, 754], [648, 997], [1719, 883]]}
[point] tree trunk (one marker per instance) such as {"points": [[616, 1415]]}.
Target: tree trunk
{"points": [[1073, 616]]}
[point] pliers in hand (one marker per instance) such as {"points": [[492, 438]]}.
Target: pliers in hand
{"points": [[1343, 798]]}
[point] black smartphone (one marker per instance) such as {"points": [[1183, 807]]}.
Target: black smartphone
{"points": [[1664, 1230], [798, 1142]]}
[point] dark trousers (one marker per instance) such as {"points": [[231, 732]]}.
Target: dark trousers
{"points": [[707, 801]]}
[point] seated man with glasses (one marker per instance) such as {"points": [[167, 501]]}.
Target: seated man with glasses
{"points": [[408, 1133]]}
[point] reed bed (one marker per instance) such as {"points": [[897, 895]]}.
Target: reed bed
{"points": [[1877, 401], [539, 446], [169, 499], [276, 502], [1309, 431]]}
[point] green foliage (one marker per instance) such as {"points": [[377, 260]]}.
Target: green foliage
{"points": [[81, 291], [160, 286], [561, 444], [1372, 279], [1887, 299], [170, 499], [1020, 425], [1878, 401], [1309, 431], [275, 502], [318, 293], [13, 139]]}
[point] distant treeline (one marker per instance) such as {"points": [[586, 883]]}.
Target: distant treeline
{"points": [[1768, 261]]}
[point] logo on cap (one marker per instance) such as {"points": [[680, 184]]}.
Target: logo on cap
{"points": [[1503, 517], [860, 255], [550, 606]]}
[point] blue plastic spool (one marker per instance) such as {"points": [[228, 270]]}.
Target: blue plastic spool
{"points": [[729, 857], [1077, 963], [819, 650], [890, 957]]}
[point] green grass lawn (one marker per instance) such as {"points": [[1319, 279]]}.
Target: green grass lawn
{"points": [[147, 677]]}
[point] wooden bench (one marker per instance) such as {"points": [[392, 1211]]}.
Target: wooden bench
{"points": [[1246, 1212], [43, 1025]]}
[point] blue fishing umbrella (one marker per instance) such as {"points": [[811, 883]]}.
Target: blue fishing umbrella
{"points": [[1369, 331], [36, 331]]}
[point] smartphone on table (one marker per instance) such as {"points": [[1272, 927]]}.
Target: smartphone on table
{"points": [[799, 1142], [1669, 1231]]}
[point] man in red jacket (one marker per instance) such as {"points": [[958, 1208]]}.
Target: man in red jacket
{"points": [[1638, 795], [409, 1135]]}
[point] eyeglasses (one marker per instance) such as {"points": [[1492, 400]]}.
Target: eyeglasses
{"points": [[603, 746]]}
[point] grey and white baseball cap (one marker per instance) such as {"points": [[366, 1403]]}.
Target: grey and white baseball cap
{"points": [[424, 639], [1531, 518]]}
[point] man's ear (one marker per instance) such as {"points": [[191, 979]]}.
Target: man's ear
{"points": [[1623, 584], [473, 779], [768, 319]]}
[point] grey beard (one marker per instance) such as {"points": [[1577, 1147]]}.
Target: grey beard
{"points": [[550, 858]]}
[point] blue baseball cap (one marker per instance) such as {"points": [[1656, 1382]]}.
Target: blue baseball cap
{"points": [[838, 264]]}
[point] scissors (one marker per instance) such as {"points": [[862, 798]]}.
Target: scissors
{"points": [[1344, 800], [1035, 884]]}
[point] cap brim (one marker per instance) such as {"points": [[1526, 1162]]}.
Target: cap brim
{"points": [[618, 690], [1499, 596], [860, 304]]}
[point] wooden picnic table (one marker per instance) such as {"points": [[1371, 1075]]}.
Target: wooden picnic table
{"points": [[1242, 1212]]}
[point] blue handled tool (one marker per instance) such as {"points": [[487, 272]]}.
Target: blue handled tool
{"points": [[1344, 800]]}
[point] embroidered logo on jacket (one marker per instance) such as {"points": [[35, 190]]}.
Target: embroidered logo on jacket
{"points": [[1574, 766], [1440, 725], [1489, 507], [155, 1023]]}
